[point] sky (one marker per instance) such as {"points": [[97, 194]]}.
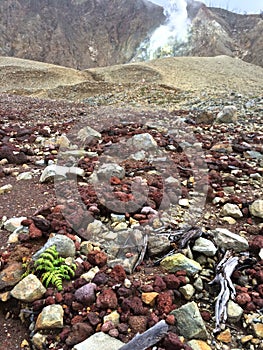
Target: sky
{"points": [[239, 6]]}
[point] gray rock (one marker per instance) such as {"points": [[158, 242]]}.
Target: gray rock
{"points": [[59, 172], [189, 321], [29, 289], [157, 245], [232, 210], [50, 317], [86, 134], [205, 246], [198, 284], [65, 246], [13, 223], [86, 294], [234, 312], [140, 155], [256, 208], [99, 341], [108, 170], [229, 240], [253, 155], [143, 142], [178, 262], [227, 115]]}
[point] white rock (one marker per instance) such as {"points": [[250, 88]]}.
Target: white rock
{"points": [[60, 172], [13, 223], [184, 202], [142, 142], [256, 208], [232, 210], [187, 291], [6, 188], [27, 175], [88, 276]]}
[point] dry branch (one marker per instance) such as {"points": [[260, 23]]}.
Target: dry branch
{"points": [[148, 338], [224, 271]]}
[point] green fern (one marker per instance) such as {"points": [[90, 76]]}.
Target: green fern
{"points": [[53, 268]]}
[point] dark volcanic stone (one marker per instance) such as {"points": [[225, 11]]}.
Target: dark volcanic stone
{"points": [[80, 332]]}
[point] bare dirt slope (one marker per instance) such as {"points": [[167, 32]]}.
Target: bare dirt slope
{"points": [[191, 74]]}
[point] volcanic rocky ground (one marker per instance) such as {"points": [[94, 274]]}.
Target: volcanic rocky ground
{"points": [[197, 171]]}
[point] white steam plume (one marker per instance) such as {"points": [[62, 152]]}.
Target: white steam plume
{"points": [[167, 36]]}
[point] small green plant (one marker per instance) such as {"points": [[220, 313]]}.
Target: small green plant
{"points": [[53, 268]]}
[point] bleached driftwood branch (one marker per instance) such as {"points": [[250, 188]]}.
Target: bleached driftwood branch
{"points": [[148, 338], [224, 271]]}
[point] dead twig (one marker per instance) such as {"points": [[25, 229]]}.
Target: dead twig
{"points": [[224, 271], [150, 337]]}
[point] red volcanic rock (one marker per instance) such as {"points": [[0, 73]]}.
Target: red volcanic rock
{"points": [[258, 302], [170, 319], [256, 243], [64, 334], [123, 328], [147, 288], [118, 273], [251, 306], [115, 180], [159, 284], [100, 278], [68, 298], [50, 300], [38, 304], [138, 324], [259, 276], [97, 258], [26, 222], [165, 302], [260, 289], [76, 306], [124, 292], [107, 300], [114, 333], [87, 266], [107, 326], [34, 232], [76, 319], [172, 342], [80, 332], [93, 318], [243, 298], [206, 316], [134, 304], [172, 282]]}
